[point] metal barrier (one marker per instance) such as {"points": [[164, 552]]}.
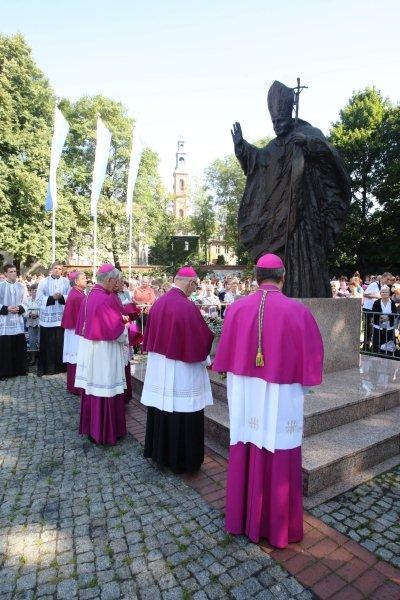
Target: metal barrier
{"points": [[380, 335]]}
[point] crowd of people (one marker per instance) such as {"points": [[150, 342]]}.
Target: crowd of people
{"points": [[379, 294], [91, 331]]}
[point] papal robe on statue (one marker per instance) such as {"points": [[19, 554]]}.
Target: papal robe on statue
{"points": [[176, 387], [13, 358], [50, 358], [71, 340], [100, 370], [296, 199], [264, 487]]}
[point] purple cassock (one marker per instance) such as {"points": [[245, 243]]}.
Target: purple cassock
{"points": [[68, 322], [100, 367], [176, 387], [264, 487], [171, 325]]}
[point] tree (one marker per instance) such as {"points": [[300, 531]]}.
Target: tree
{"points": [[226, 180], [366, 138], [26, 116], [149, 201], [203, 219], [356, 136]]}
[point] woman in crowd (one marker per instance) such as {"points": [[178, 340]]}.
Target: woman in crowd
{"points": [[355, 290], [383, 323]]}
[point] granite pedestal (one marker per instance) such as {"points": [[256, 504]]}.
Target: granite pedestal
{"points": [[339, 321]]}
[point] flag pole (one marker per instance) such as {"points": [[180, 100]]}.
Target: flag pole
{"points": [[53, 235], [94, 244], [130, 249]]}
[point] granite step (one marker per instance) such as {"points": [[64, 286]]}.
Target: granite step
{"points": [[344, 396], [340, 454], [352, 426]]}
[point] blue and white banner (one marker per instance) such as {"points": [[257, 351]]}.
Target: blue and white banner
{"points": [[103, 141], [61, 128], [134, 162]]}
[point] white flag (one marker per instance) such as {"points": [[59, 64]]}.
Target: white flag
{"points": [[134, 162], [103, 141], [61, 128]]}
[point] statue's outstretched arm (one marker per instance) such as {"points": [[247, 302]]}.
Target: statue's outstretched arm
{"points": [[245, 152]]}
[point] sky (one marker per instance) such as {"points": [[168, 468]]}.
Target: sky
{"points": [[193, 68]]}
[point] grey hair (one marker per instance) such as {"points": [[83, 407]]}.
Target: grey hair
{"points": [[72, 282], [179, 278], [56, 263], [104, 277]]}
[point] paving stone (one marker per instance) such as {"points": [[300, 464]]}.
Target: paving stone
{"points": [[376, 514], [110, 591], [67, 589], [103, 523]]}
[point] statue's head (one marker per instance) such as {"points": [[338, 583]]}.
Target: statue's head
{"points": [[280, 106]]}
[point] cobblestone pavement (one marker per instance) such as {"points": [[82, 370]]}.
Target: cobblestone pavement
{"points": [[369, 514], [84, 521]]}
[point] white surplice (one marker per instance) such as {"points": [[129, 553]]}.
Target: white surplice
{"points": [[70, 349], [100, 368], [50, 316], [12, 294], [269, 415], [175, 386]]}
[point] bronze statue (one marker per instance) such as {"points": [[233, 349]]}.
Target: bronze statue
{"points": [[296, 197]]}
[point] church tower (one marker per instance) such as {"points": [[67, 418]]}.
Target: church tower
{"points": [[181, 183]]}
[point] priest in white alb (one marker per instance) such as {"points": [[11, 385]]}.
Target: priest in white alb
{"points": [[13, 301], [51, 296]]}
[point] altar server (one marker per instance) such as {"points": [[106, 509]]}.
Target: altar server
{"points": [[13, 302], [51, 296]]}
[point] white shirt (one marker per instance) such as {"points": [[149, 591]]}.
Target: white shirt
{"points": [[373, 288], [32, 307]]}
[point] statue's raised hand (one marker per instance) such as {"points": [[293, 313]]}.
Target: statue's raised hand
{"points": [[237, 134]]}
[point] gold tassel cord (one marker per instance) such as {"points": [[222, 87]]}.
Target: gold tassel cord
{"points": [[260, 355]]}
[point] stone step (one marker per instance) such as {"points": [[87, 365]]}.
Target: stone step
{"points": [[340, 454], [330, 411], [344, 396], [352, 426]]}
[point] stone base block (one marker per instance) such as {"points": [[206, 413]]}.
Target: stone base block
{"points": [[339, 320]]}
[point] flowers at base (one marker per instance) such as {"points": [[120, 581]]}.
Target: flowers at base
{"points": [[214, 323]]}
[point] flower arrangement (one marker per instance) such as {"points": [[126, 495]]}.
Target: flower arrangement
{"points": [[214, 323]]}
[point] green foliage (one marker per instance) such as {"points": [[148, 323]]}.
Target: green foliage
{"points": [[26, 115], [149, 200], [367, 137], [203, 219], [226, 180], [356, 136]]}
